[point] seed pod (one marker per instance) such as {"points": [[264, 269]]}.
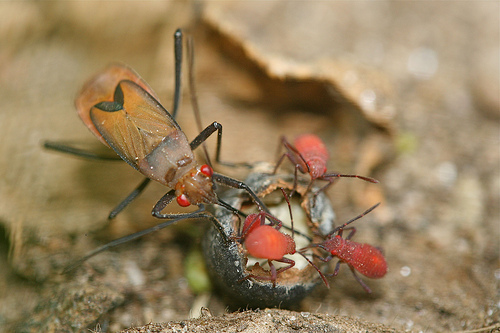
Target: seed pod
{"points": [[228, 263]]}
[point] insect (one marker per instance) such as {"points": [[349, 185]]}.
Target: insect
{"points": [[364, 258], [124, 113], [266, 242], [309, 155]]}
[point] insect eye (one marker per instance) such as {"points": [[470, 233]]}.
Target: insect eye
{"points": [[183, 200], [206, 170]]}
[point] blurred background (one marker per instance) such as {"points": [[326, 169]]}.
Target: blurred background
{"points": [[406, 92]]}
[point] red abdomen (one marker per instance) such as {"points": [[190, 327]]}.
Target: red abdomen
{"points": [[268, 243], [314, 152], [366, 259]]}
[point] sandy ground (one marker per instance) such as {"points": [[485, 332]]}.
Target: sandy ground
{"points": [[406, 92]]}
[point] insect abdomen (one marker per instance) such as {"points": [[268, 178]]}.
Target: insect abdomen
{"points": [[170, 160], [366, 259], [267, 243], [314, 152]]}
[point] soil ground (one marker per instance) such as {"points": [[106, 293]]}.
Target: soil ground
{"points": [[406, 92]]}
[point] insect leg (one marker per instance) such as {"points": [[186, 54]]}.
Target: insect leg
{"points": [[337, 268], [280, 160], [259, 218], [313, 245], [231, 182], [196, 214], [295, 178], [63, 148], [215, 126], [286, 261], [235, 211], [293, 155], [162, 203], [134, 194], [353, 231], [272, 271], [283, 142], [330, 181], [56, 146], [323, 259], [167, 198], [365, 287], [274, 221], [296, 159], [323, 277]]}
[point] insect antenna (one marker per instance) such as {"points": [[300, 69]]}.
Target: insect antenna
{"points": [[353, 219], [193, 95], [178, 71], [289, 209], [197, 115]]}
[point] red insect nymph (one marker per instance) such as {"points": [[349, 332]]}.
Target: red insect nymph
{"points": [[364, 258]]}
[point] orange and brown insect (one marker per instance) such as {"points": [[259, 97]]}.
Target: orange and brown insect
{"points": [[124, 113], [139, 129]]}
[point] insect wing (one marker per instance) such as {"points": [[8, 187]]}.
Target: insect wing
{"points": [[101, 88], [134, 124]]}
